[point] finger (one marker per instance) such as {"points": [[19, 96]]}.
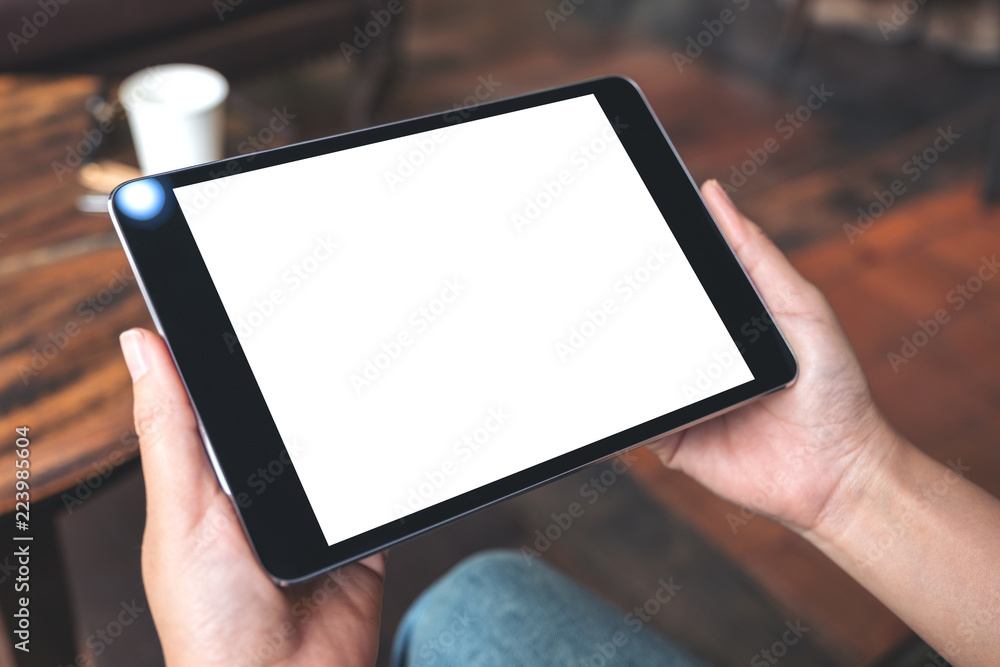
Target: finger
{"points": [[779, 283], [174, 462], [666, 446]]}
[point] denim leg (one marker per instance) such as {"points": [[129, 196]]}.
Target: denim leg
{"points": [[499, 608]]}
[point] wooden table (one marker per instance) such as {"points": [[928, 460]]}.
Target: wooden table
{"points": [[67, 292]]}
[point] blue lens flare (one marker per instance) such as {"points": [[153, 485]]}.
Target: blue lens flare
{"points": [[141, 200]]}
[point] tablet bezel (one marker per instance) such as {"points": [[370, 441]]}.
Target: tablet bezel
{"points": [[237, 427]]}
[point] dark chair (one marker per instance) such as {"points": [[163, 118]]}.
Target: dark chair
{"points": [[112, 38]]}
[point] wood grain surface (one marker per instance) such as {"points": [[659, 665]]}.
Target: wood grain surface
{"points": [[67, 293]]}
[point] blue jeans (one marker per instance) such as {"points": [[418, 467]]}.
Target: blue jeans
{"points": [[499, 608]]}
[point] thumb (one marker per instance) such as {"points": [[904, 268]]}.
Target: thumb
{"points": [[174, 461], [780, 285]]}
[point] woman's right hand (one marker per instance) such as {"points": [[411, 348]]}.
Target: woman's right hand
{"points": [[820, 458], [799, 455]]}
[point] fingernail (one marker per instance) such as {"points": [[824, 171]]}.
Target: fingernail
{"points": [[722, 191], [134, 351]]}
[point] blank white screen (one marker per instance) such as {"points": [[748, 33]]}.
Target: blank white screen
{"points": [[511, 233]]}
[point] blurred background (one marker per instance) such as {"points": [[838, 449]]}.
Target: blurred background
{"points": [[882, 188]]}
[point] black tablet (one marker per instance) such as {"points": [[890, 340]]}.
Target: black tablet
{"points": [[386, 330]]}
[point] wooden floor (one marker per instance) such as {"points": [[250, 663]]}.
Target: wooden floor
{"points": [[887, 104]]}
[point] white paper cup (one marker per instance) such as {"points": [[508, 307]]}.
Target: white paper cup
{"points": [[177, 115]]}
